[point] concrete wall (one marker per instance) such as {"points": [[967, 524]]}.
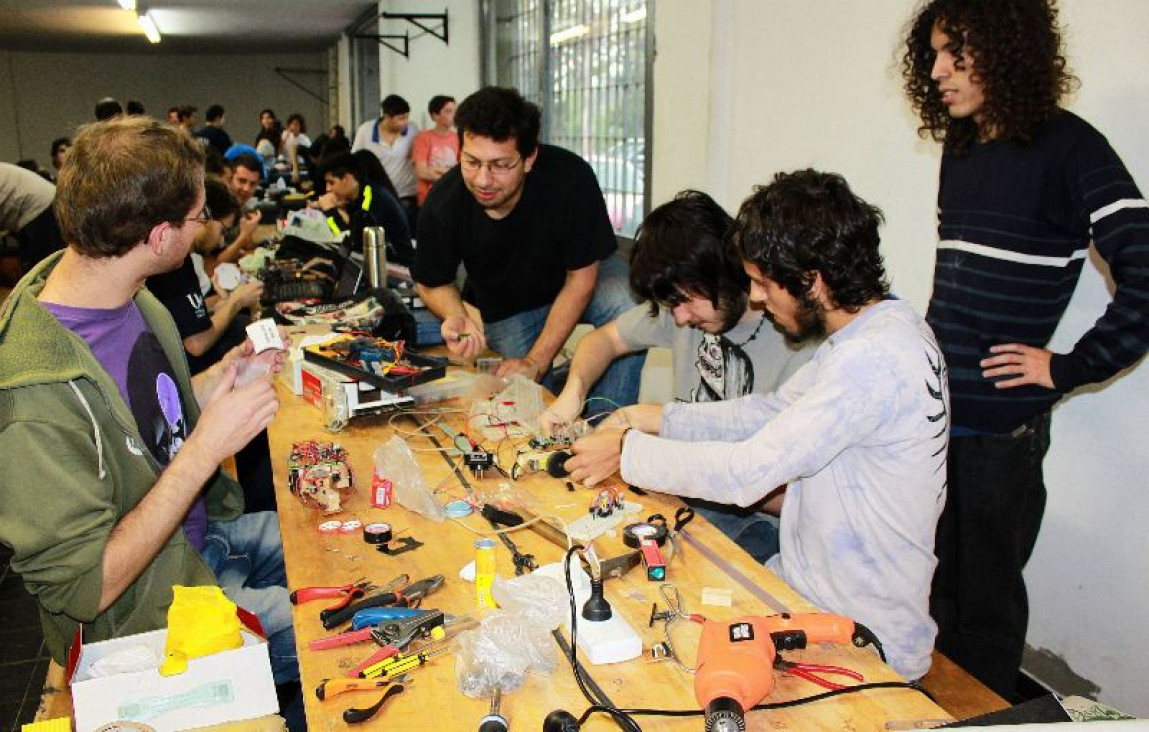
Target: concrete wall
{"points": [[46, 95], [745, 88]]}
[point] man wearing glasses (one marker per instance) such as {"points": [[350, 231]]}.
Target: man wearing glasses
{"points": [[529, 224], [110, 451]]}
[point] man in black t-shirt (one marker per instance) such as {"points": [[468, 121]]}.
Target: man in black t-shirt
{"points": [[529, 223]]}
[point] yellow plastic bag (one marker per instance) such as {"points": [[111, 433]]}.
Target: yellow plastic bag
{"points": [[201, 621]]}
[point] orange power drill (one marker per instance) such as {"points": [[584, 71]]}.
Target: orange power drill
{"points": [[735, 667]]}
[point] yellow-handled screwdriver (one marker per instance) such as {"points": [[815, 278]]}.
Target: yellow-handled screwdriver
{"points": [[397, 665]]}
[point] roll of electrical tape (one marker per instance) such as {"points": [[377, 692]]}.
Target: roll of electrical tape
{"points": [[350, 526], [377, 532], [632, 534], [330, 527], [458, 509]]}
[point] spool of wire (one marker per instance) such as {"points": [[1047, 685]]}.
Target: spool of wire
{"points": [[632, 534]]}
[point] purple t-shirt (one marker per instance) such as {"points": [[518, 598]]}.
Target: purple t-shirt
{"points": [[123, 343]]}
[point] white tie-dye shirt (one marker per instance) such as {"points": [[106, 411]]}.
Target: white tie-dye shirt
{"points": [[860, 434]]}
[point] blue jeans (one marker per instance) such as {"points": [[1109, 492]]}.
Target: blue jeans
{"points": [[619, 384], [246, 555], [753, 531]]}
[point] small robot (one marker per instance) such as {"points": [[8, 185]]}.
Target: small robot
{"points": [[319, 474]]}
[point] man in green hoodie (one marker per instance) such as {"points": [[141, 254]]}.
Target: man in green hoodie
{"points": [[109, 451]]}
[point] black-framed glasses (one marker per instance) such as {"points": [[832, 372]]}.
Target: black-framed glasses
{"points": [[497, 167], [203, 218]]}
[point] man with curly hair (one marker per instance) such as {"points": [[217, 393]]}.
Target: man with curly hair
{"points": [[1025, 187], [858, 433]]}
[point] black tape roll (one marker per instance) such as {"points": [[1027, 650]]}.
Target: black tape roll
{"points": [[557, 464], [632, 533], [377, 532]]}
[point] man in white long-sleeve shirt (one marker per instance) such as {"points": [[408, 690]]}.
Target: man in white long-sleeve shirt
{"points": [[859, 433]]}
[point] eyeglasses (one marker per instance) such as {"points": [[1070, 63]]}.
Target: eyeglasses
{"points": [[496, 167], [203, 218]]}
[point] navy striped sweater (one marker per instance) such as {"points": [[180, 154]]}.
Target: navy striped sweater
{"points": [[1015, 224]]}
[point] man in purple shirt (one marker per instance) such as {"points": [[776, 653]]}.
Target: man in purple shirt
{"points": [[110, 449]]}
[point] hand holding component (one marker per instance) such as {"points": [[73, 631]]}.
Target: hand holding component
{"points": [[464, 337], [562, 411], [596, 457]]}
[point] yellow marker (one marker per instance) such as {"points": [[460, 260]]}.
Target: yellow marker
{"points": [[484, 572]]}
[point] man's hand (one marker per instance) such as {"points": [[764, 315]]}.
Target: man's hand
{"points": [[563, 410], [248, 224], [327, 201], [247, 294], [1026, 364], [463, 336], [525, 366], [596, 457], [232, 416]]}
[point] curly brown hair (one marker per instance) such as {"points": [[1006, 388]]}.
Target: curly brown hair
{"points": [[1016, 51]]}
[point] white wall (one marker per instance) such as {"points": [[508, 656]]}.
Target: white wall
{"points": [[433, 67], [46, 95], [745, 88]]}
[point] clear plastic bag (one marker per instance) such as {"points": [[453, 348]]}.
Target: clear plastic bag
{"points": [[394, 461], [513, 641]]}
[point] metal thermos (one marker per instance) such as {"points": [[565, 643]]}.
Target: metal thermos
{"points": [[375, 256]]}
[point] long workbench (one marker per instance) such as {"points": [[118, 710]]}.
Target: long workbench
{"points": [[433, 701]]}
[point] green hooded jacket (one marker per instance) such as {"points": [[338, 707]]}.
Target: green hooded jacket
{"points": [[72, 463]]}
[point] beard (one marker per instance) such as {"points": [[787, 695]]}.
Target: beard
{"points": [[810, 323]]}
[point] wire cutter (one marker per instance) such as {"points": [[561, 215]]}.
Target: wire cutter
{"points": [[409, 596], [810, 671], [346, 593], [355, 715]]}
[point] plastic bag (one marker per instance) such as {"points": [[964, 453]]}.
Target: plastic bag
{"points": [[513, 641], [394, 461]]}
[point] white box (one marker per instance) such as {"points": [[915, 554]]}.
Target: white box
{"points": [[97, 701]]}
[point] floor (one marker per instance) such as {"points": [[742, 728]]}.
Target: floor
{"points": [[23, 659]]}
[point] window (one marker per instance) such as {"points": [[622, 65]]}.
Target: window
{"points": [[586, 63]]}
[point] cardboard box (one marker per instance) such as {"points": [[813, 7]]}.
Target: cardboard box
{"points": [[247, 671]]}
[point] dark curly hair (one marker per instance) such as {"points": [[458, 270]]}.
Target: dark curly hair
{"points": [[500, 113], [808, 222], [683, 250], [1016, 51]]}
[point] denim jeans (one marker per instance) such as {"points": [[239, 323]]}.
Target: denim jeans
{"points": [[755, 532], [246, 555], [994, 505], [514, 336]]}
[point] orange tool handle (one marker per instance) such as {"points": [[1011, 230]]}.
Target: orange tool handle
{"points": [[329, 688]]}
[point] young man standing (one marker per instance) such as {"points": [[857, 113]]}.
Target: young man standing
{"points": [[529, 223], [390, 137], [688, 272], [858, 434], [436, 150], [212, 133], [1025, 186], [110, 451]]}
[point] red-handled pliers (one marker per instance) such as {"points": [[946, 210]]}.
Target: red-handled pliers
{"points": [[346, 594], [810, 671]]}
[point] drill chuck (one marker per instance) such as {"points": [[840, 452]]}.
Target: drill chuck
{"points": [[723, 714]]}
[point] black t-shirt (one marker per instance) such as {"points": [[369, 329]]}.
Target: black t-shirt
{"points": [[216, 137], [179, 292], [519, 262]]}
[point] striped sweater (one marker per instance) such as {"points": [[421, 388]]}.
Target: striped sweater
{"points": [[1015, 224]]}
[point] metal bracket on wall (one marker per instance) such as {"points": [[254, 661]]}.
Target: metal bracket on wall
{"points": [[284, 73], [417, 20]]}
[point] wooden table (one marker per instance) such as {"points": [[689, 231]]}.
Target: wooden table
{"points": [[433, 700]]}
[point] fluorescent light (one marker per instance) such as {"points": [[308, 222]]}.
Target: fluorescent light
{"points": [[128, 4], [149, 27], [569, 34], [632, 17]]}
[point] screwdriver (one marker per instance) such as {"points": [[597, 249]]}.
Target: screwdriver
{"points": [[494, 722], [399, 664]]}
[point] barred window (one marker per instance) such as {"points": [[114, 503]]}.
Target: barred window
{"points": [[586, 63]]}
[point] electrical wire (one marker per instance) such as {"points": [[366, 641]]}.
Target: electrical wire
{"points": [[597, 705]]}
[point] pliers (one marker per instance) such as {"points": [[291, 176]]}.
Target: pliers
{"points": [[355, 715], [810, 671], [346, 593], [409, 596]]}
